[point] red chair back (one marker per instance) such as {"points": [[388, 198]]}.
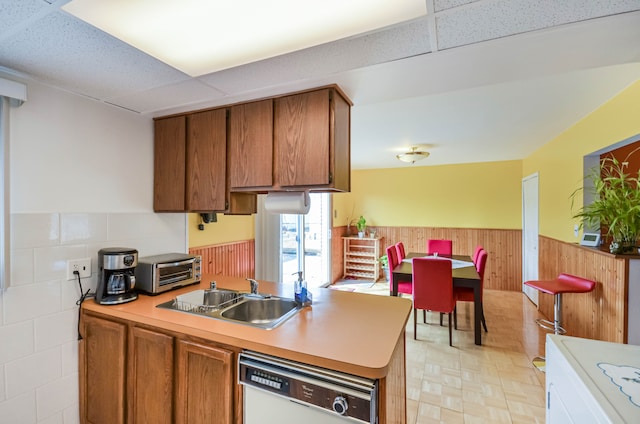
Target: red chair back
{"points": [[392, 257], [400, 251], [441, 247], [481, 263], [433, 285], [476, 253]]}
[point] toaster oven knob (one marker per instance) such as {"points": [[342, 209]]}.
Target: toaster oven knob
{"points": [[340, 405]]}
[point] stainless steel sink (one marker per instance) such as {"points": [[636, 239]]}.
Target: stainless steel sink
{"points": [[261, 312], [256, 310]]}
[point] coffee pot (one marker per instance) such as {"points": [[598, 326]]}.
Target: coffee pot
{"points": [[116, 275]]}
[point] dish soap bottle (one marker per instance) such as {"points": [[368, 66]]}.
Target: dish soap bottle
{"points": [[302, 295]]}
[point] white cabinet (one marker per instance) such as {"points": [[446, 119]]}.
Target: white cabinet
{"points": [[590, 381], [361, 257]]}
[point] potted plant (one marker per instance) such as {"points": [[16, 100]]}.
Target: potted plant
{"points": [[616, 204], [384, 262], [361, 224]]}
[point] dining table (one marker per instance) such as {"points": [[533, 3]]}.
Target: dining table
{"points": [[463, 276]]}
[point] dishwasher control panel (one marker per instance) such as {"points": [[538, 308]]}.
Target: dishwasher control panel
{"points": [[345, 395]]}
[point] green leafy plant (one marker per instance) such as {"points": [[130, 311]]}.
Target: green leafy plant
{"points": [[616, 204], [361, 224], [384, 261]]}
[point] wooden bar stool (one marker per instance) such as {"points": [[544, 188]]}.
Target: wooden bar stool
{"points": [[564, 283]]}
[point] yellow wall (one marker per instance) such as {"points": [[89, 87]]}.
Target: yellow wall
{"points": [[477, 195], [228, 228], [560, 162]]}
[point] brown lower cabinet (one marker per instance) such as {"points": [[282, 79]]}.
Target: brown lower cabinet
{"points": [[131, 373]]}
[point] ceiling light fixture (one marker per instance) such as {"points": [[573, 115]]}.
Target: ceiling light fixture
{"points": [[199, 37], [413, 155]]}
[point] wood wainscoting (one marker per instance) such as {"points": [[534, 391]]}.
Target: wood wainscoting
{"points": [[504, 248], [599, 315], [237, 259]]}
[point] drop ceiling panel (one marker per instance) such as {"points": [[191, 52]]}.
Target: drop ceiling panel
{"points": [[15, 13], [61, 50], [486, 20]]}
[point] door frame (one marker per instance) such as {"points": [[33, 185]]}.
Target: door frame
{"points": [[530, 217]]}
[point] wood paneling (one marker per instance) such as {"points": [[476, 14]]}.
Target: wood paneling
{"points": [[235, 259], [504, 248], [393, 388], [599, 315]]}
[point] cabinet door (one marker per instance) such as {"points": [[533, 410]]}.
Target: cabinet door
{"points": [[301, 139], [169, 164], [205, 384], [206, 161], [102, 371], [150, 377], [251, 145]]}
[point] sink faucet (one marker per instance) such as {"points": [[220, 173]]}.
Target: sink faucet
{"points": [[254, 285]]}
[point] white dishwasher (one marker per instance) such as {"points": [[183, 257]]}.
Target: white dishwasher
{"points": [[278, 391]]}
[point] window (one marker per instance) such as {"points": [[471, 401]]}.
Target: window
{"points": [[4, 195], [12, 94]]}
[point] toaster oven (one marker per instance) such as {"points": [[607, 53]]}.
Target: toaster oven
{"points": [[160, 273]]}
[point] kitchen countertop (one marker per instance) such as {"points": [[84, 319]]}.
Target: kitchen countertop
{"points": [[350, 332]]}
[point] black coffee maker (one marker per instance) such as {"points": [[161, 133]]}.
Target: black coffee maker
{"points": [[116, 279]]}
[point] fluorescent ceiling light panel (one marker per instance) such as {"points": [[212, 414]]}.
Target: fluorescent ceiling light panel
{"points": [[203, 36]]}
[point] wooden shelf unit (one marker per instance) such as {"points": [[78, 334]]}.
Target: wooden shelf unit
{"points": [[361, 258]]}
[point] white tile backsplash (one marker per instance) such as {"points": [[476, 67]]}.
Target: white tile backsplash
{"points": [[22, 271], [35, 230], [2, 392], [50, 263], [38, 312], [19, 410], [32, 301], [70, 414], [57, 418], [70, 357], [83, 228], [56, 396], [33, 371], [17, 341], [51, 330]]}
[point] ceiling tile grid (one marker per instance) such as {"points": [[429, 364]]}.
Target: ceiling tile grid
{"points": [[189, 94], [440, 5], [490, 19]]}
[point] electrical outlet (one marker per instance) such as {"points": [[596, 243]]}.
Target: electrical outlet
{"points": [[83, 266]]}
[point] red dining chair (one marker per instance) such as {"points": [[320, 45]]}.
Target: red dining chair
{"points": [[432, 288], [465, 294], [474, 258], [400, 251], [441, 247], [405, 287]]}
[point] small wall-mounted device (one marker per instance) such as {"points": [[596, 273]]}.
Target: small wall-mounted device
{"points": [[590, 240], [206, 218]]}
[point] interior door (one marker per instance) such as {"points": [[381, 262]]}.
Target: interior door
{"points": [[305, 243], [530, 231]]}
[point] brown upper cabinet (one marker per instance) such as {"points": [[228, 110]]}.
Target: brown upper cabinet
{"points": [[312, 141], [216, 160], [251, 145], [169, 164], [190, 166]]}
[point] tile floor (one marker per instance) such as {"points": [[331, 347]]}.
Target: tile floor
{"points": [[492, 383]]}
